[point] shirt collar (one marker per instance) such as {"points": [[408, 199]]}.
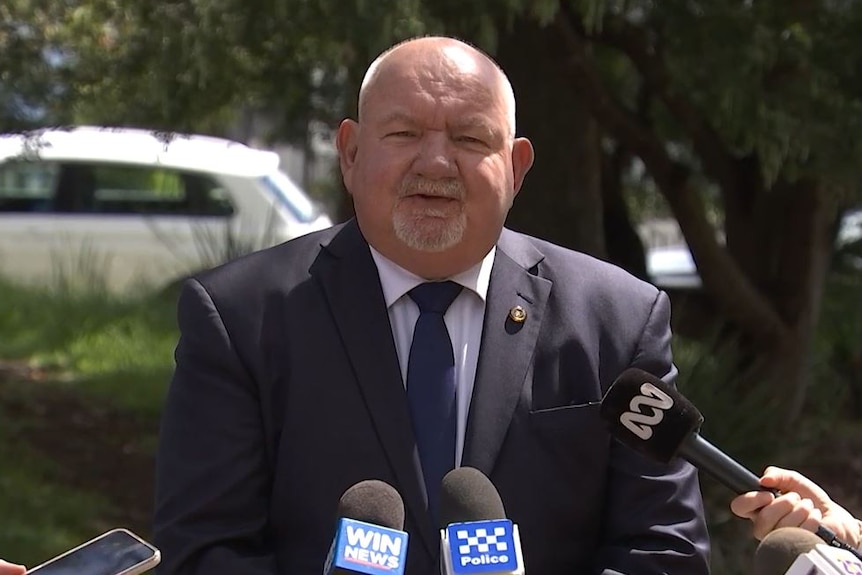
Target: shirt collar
{"points": [[397, 281]]}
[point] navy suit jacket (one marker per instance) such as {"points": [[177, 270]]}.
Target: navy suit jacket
{"points": [[287, 391]]}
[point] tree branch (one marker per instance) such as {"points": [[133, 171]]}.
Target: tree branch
{"points": [[722, 278], [632, 41]]}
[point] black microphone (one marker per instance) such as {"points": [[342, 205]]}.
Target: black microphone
{"points": [[654, 419], [369, 536], [780, 549], [466, 494], [475, 535], [373, 501]]}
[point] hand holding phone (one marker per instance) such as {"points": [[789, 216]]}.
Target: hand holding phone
{"points": [[10, 568], [117, 552]]}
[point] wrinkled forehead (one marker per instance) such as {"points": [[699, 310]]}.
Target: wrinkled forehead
{"points": [[464, 60], [452, 65], [447, 71], [447, 64], [442, 77]]}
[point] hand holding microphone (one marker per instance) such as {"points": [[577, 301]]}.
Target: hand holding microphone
{"points": [[653, 418], [369, 537], [803, 504]]}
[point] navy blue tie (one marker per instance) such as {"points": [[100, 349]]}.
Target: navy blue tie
{"points": [[431, 385]]}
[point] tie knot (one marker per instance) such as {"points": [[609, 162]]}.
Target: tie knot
{"points": [[435, 297]]}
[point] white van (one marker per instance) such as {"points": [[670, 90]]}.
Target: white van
{"points": [[131, 209]]}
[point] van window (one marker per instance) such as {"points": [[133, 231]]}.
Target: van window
{"points": [[83, 188], [27, 186], [290, 196]]}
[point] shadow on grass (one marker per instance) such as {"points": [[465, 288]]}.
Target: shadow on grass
{"points": [[82, 382], [82, 465]]}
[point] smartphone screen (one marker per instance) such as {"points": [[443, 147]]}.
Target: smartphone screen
{"points": [[113, 553]]}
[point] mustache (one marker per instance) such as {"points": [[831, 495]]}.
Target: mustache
{"points": [[448, 188]]}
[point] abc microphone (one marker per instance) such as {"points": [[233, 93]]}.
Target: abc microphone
{"points": [[654, 419], [476, 537], [795, 551], [369, 537]]}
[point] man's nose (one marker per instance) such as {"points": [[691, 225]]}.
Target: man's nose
{"points": [[436, 157]]}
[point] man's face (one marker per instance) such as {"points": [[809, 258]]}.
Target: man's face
{"points": [[430, 164]]}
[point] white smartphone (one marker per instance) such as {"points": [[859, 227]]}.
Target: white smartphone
{"points": [[117, 552]]}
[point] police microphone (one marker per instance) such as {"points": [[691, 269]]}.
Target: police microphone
{"points": [[476, 537], [795, 551], [654, 419], [369, 537]]}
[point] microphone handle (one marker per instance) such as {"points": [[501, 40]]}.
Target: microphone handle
{"points": [[730, 473], [724, 469]]}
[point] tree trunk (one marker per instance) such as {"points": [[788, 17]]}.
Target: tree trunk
{"points": [[562, 196], [768, 282], [790, 230], [624, 245]]}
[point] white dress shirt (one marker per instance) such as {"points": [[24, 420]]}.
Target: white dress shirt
{"points": [[463, 319]]}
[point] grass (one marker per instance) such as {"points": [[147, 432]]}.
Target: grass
{"points": [[82, 359], [92, 339], [40, 517]]}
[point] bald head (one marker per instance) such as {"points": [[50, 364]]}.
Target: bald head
{"points": [[442, 57]]}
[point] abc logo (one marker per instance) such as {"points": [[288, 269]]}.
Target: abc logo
{"points": [[646, 410]]}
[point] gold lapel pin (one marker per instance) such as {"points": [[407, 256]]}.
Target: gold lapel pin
{"points": [[518, 314]]}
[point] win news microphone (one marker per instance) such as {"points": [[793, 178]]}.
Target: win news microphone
{"points": [[369, 537], [654, 419], [475, 536], [795, 551]]}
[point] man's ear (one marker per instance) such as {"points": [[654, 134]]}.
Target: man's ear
{"points": [[346, 141], [522, 160]]}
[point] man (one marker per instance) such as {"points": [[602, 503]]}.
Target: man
{"points": [[11, 568], [293, 362], [802, 503]]}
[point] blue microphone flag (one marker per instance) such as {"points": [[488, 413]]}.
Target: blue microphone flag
{"points": [[483, 547], [361, 547]]}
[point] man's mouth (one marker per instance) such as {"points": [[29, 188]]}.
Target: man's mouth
{"points": [[431, 197]]}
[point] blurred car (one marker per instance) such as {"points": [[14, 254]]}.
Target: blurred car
{"points": [[133, 208], [673, 268]]}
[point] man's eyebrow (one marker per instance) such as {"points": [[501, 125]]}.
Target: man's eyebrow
{"points": [[476, 123]]}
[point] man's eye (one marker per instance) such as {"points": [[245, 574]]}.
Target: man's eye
{"points": [[402, 134], [469, 140]]}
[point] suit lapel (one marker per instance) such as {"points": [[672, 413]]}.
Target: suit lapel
{"points": [[507, 348], [352, 287]]}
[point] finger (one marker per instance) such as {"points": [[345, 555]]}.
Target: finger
{"points": [[815, 520], [768, 517], [798, 516], [786, 480], [749, 504], [11, 568]]}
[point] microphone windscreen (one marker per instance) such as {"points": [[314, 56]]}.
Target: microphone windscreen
{"points": [[466, 494], [649, 415], [373, 501], [780, 548]]}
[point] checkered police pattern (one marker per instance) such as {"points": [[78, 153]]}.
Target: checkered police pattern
{"points": [[481, 541]]}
